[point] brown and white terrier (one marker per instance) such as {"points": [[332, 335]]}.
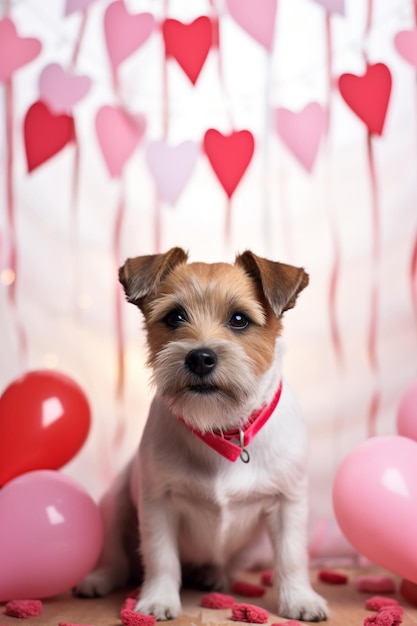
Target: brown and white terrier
{"points": [[223, 456]]}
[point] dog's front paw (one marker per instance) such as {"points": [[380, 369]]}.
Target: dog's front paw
{"points": [[163, 605], [99, 583], [303, 604]]}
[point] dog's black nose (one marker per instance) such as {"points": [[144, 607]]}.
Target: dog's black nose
{"points": [[201, 361]]}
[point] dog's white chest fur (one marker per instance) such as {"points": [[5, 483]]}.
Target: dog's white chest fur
{"points": [[221, 506]]}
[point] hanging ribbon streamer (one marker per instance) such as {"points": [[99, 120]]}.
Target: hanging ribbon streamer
{"points": [[15, 52], [11, 218], [124, 34], [119, 303], [368, 96], [335, 270]]}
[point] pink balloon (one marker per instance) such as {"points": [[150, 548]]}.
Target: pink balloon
{"points": [[301, 131], [50, 535], [118, 134], [171, 167], [375, 502], [61, 90], [256, 18], [407, 414]]}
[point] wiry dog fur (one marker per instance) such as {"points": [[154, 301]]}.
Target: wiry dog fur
{"points": [[198, 512]]}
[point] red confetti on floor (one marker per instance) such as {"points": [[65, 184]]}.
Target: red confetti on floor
{"points": [[23, 608], [132, 618], [375, 584], [332, 577], [249, 613], [217, 600], [377, 602], [243, 588]]}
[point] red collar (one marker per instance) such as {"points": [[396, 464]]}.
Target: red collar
{"points": [[232, 444]]}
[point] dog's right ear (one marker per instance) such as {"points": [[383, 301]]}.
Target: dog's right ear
{"points": [[142, 275]]}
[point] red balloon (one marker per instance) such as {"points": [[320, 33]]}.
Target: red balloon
{"points": [[44, 420]]}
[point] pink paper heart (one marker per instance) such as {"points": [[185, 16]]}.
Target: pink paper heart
{"points": [[302, 131], [406, 44], [124, 32], [118, 135], [15, 51], [171, 167], [256, 18], [333, 6], [77, 5], [60, 90]]}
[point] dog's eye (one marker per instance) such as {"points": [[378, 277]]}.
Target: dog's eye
{"points": [[175, 318], [238, 321]]}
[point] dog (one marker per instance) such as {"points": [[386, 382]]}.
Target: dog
{"points": [[223, 455]]}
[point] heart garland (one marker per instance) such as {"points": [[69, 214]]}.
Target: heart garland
{"points": [[125, 33], [229, 156], [188, 44], [61, 90], [301, 131], [368, 95], [333, 6], [15, 51], [171, 167], [406, 45], [256, 18], [45, 134], [118, 135]]}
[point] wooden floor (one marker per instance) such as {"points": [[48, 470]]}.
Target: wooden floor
{"points": [[346, 604]]}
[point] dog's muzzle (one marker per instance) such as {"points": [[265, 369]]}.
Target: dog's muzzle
{"points": [[201, 361]]}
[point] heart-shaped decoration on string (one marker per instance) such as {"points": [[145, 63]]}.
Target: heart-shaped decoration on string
{"points": [[77, 5], [333, 6], [302, 131], [118, 135], [124, 32], [61, 90], [15, 51], [256, 18], [45, 134], [188, 44], [171, 167], [368, 95], [406, 44], [229, 156]]}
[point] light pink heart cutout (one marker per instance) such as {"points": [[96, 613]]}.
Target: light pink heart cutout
{"points": [[77, 5], [333, 6], [124, 32], [256, 18], [61, 90], [171, 167], [302, 131], [118, 135], [15, 51], [406, 44]]}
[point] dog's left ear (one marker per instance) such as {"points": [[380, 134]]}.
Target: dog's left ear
{"points": [[280, 283]]}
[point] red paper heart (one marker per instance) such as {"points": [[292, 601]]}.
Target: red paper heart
{"points": [[229, 156], [45, 134], [368, 95], [189, 44]]}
